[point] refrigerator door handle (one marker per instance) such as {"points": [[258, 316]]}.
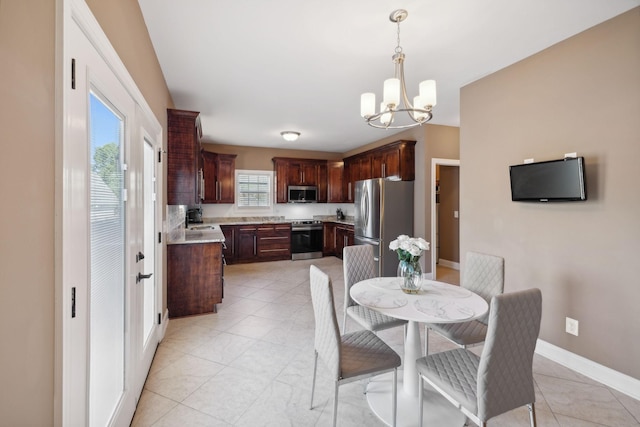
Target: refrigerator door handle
{"points": [[364, 206]]}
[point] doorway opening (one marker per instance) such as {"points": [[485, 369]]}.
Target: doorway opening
{"points": [[445, 250]]}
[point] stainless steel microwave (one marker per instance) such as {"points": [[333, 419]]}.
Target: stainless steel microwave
{"points": [[303, 194]]}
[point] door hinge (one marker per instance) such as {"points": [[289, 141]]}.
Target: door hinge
{"points": [[159, 237], [159, 319], [73, 73], [73, 302], [160, 156]]}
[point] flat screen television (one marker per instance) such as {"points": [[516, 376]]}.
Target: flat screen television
{"points": [[551, 181]]}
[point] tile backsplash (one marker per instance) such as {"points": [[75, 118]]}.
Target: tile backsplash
{"points": [[176, 218]]}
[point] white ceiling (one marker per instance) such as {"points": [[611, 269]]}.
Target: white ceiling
{"points": [[254, 68]]}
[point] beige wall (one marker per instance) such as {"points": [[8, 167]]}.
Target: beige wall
{"points": [[27, 191], [27, 172], [258, 158], [581, 95]]}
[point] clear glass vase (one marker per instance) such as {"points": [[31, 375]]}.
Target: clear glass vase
{"points": [[411, 274]]}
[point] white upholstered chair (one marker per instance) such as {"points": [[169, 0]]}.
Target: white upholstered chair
{"points": [[483, 275], [358, 264], [349, 357], [501, 378]]}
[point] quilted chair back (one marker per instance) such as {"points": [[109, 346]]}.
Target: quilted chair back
{"points": [[484, 275], [358, 264], [505, 377], [327, 334]]}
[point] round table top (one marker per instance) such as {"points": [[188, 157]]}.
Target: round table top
{"points": [[437, 302]]}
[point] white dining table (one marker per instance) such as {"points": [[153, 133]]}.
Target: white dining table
{"points": [[437, 302]]}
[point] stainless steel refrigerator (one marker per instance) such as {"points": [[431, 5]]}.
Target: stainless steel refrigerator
{"points": [[383, 211]]}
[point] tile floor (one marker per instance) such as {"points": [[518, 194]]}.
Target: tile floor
{"points": [[251, 365]]}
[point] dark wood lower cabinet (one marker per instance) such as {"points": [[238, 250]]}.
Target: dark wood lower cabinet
{"points": [[336, 237], [257, 242], [194, 282]]}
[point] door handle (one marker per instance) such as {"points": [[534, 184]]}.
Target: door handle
{"points": [[141, 277]]}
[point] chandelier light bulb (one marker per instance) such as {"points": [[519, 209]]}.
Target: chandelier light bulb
{"points": [[367, 104], [391, 93], [428, 92]]}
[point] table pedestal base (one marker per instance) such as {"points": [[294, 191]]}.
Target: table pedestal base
{"points": [[438, 411]]}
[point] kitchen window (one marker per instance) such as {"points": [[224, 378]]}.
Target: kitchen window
{"points": [[254, 188]]}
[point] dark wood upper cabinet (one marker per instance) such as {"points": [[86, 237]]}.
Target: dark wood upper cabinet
{"points": [[292, 171], [396, 159], [336, 182], [183, 157], [219, 177]]}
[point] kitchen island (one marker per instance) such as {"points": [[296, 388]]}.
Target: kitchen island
{"points": [[195, 280]]}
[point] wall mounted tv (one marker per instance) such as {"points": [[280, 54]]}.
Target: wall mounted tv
{"points": [[551, 181]]}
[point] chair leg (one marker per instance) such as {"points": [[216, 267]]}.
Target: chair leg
{"points": [[344, 322], [532, 414], [335, 405], [394, 408], [420, 401], [313, 384], [426, 339]]}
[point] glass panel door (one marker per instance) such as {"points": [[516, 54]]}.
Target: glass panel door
{"points": [[107, 264]]}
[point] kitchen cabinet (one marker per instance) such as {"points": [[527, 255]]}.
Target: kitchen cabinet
{"points": [[329, 239], [229, 247], [336, 237], [292, 171], [274, 242], [345, 236], [194, 278], [396, 159], [336, 184], [261, 242], [184, 164], [219, 177]]}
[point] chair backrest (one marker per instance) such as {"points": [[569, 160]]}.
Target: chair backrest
{"points": [[505, 371], [484, 275], [358, 264], [327, 334]]}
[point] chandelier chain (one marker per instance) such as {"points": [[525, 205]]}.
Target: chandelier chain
{"points": [[398, 47]]}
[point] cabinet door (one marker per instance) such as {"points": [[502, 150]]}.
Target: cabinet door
{"points": [[183, 157], [335, 178], [226, 184], [281, 168], [229, 247], [247, 243], [321, 182], [329, 239], [209, 170]]}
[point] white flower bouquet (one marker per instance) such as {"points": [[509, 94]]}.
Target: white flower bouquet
{"points": [[409, 249]]}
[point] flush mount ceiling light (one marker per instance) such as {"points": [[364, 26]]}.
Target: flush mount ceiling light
{"points": [[394, 96], [290, 135]]}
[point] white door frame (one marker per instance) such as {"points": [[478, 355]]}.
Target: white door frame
{"points": [[434, 163]]}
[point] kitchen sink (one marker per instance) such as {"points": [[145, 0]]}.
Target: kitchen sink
{"points": [[201, 227]]}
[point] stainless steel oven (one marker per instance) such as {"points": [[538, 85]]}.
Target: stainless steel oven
{"points": [[306, 239]]}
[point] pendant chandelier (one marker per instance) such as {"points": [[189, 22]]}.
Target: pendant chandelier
{"points": [[395, 99]]}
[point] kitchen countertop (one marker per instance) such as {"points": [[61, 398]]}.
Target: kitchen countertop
{"points": [[209, 232], [208, 235]]}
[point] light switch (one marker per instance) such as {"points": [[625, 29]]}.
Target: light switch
{"points": [[456, 214]]}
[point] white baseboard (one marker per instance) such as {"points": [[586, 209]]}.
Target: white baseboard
{"points": [[449, 264], [164, 325], [607, 376]]}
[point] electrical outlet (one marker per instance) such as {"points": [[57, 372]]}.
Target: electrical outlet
{"points": [[571, 326]]}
